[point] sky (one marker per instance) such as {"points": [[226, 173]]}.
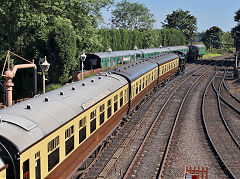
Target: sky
{"points": [[208, 12]]}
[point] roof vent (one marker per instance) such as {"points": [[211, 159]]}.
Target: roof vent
{"points": [[125, 68], [83, 84], [73, 88], [119, 70], [46, 99], [132, 64], [99, 77], [128, 66], [61, 93], [29, 106], [92, 80]]}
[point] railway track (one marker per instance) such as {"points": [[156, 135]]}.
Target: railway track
{"points": [[137, 121], [190, 146], [160, 173], [219, 133], [228, 108], [113, 162], [226, 95], [163, 127]]}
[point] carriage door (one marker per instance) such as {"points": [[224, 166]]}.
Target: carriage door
{"points": [[37, 165], [26, 169]]}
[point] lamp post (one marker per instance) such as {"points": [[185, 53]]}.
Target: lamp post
{"points": [[109, 50], [44, 66], [135, 48], [83, 58]]}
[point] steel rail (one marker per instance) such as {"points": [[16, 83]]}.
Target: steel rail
{"points": [[225, 101], [152, 126], [220, 111], [233, 96], [208, 135], [160, 173]]}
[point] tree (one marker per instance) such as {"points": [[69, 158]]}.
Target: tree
{"points": [[25, 24], [31, 27], [62, 50], [212, 37], [237, 16], [131, 16], [182, 20], [236, 30]]}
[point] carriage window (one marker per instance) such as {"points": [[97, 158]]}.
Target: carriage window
{"points": [[125, 96], [82, 122], [69, 132], [115, 103], [140, 85], [53, 144], [143, 82], [26, 173], [37, 165], [136, 88], [69, 143], [92, 121], [109, 110], [102, 118], [121, 98], [53, 157]]}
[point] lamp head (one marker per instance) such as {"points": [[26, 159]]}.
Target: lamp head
{"points": [[45, 65], [109, 49], [83, 57], [135, 47]]}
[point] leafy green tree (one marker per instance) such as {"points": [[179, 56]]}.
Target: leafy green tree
{"points": [[31, 27], [182, 20], [237, 16], [227, 39], [62, 50], [212, 37], [236, 30], [25, 24], [132, 16]]}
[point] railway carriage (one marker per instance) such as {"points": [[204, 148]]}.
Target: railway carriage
{"points": [[48, 136], [46, 130], [196, 51], [145, 74], [108, 60], [142, 77], [168, 66]]}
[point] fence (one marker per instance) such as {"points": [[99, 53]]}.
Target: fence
{"points": [[196, 172]]}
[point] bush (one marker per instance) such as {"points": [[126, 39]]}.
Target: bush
{"points": [[53, 87]]}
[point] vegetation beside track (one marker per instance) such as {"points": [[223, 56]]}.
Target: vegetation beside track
{"points": [[217, 52]]}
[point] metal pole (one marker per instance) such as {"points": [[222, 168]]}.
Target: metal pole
{"points": [[236, 64], [82, 69], [35, 82], [8, 86], [43, 83]]}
